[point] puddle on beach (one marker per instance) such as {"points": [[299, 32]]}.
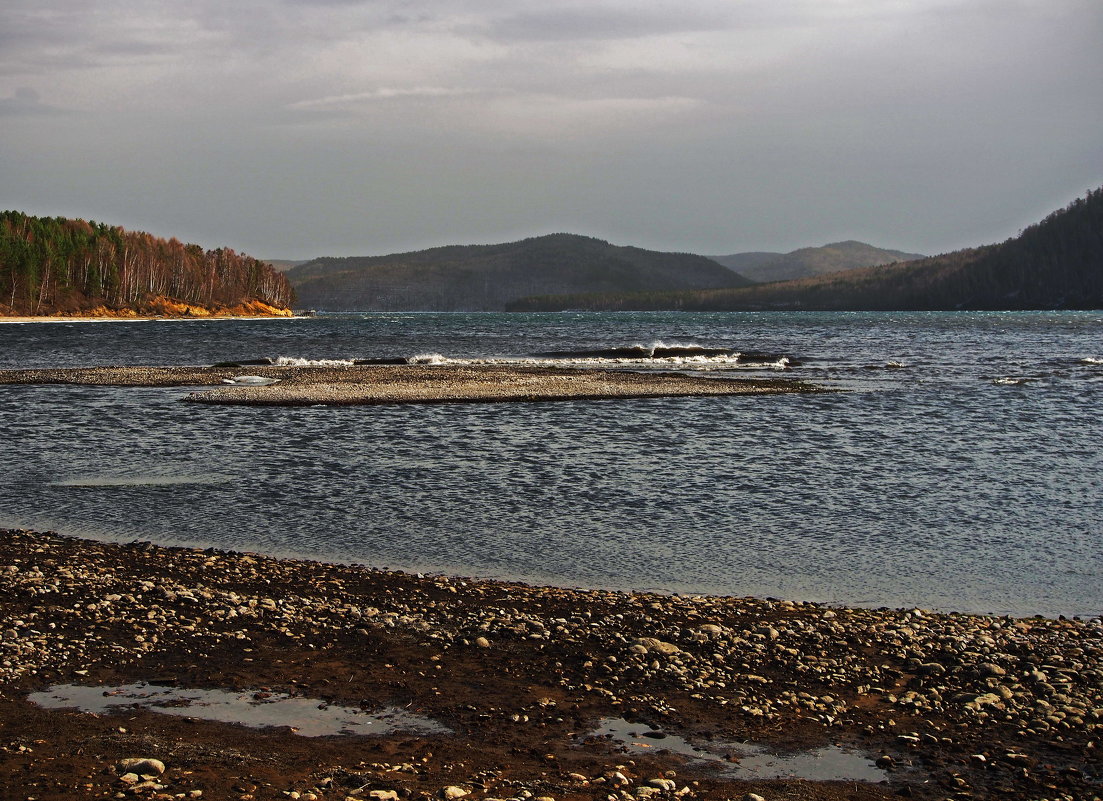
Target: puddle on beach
{"points": [[745, 760], [308, 717]]}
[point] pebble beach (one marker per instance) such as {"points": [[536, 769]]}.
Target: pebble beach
{"points": [[509, 686]]}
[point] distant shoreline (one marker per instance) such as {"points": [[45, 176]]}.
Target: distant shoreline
{"points": [[147, 318], [157, 308]]}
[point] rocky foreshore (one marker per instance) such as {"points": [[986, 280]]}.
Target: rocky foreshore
{"points": [[517, 681], [418, 383]]}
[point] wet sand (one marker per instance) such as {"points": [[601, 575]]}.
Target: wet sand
{"points": [[522, 677], [374, 384]]}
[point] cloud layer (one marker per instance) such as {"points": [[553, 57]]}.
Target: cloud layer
{"points": [[294, 128]]}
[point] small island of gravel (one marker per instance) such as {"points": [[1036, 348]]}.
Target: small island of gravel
{"points": [[419, 383]]}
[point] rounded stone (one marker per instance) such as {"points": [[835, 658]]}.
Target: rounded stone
{"points": [[143, 766]]}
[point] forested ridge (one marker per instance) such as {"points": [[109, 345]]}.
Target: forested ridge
{"points": [[1056, 263], [57, 265], [488, 277], [806, 262]]}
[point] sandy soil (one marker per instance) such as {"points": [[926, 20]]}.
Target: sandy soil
{"points": [[138, 318], [158, 308], [368, 384], [950, 706]]}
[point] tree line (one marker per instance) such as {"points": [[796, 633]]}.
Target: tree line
{"points": [[56, 264], [1055, 263]]}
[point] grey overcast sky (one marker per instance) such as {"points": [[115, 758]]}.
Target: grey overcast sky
{"points": [[300, 128]]}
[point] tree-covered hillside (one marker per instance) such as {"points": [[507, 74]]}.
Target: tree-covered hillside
{"points": [[488, 277], [1056, 263], [805, 262], [54, 265]]}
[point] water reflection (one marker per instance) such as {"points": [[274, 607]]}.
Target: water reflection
{"points": [[308, 717], [746, 760]]}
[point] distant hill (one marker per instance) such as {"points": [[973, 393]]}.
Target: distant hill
{"points": [[488, 277], [1054, 264], [283, 265], [54, 265], [747, 263], [831, 258]]}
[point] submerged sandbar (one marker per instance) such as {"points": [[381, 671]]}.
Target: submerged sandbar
{"points": [[378, 384]]}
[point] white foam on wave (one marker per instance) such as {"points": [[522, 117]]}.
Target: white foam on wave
{"points": [[697, 361], [781, 364], [658, 344], [1013, 381], [435, 358], [700, 361], [292, 361], [1092, 360]]}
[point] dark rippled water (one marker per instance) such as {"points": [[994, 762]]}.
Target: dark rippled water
{"points": [[960, 470]]}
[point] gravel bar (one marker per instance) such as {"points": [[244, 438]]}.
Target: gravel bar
{"points": [[377, 384]]}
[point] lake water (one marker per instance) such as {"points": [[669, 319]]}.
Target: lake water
{"points": [[960, 469]]}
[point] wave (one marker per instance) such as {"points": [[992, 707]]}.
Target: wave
{"points": [[292, 361], [889, 365], [656, 350], [436, 358], [658, 355], [245, 363], [1014, 381], [1092, 360]]}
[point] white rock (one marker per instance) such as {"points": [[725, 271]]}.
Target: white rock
{"points": [[657, 646], [143, 766]]}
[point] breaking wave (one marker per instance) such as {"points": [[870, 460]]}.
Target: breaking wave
{"points": [[434, 358], [656, 350], [662, 354], [657, 355], [291, 361]]}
